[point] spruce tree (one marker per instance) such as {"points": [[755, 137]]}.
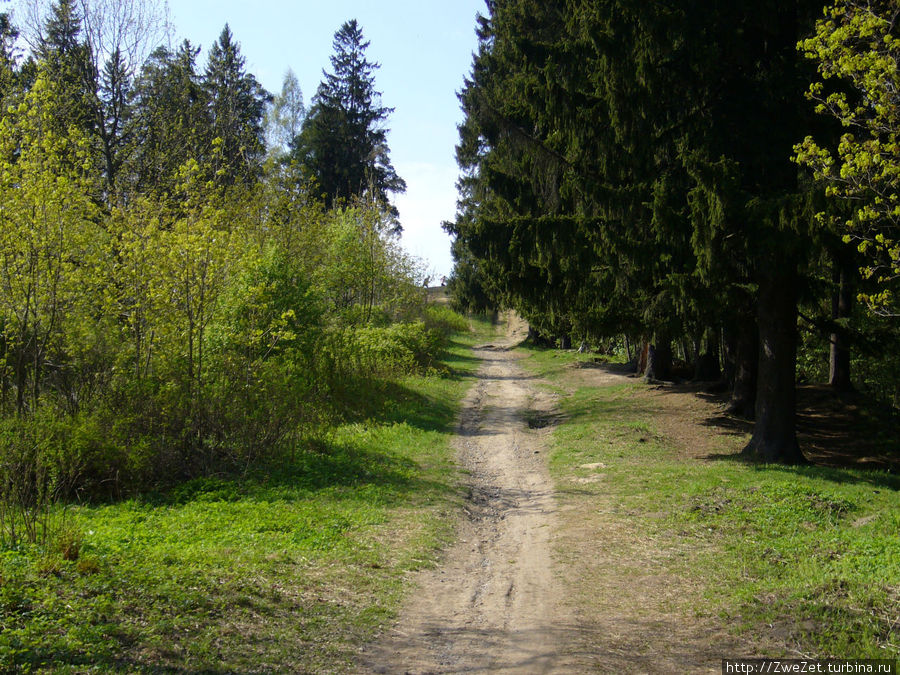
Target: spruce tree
{"points": [[172, 117], [343, 143], [237, 104], [621, 173], [66, 61], [8, 57]]}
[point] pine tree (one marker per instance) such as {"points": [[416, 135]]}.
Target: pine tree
{"points": [[343, 143]]}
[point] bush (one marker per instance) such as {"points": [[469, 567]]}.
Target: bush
{"points": [[28, 479], [444, 320], [400, 348]]}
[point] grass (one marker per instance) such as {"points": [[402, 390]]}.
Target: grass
{"points": [[803, 558], [291, 569]]}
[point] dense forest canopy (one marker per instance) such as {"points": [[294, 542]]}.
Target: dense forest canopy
{"points": [[631, 168]]}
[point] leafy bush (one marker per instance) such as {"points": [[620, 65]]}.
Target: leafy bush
{"points": [[29, 478], [444, 320], [396, 349]]}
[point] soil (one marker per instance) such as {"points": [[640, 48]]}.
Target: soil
{"points": [[549, 580], [537, 582], [495, 604]]}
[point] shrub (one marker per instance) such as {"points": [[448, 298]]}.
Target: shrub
{"points": [[400, 348], [443, 319]]}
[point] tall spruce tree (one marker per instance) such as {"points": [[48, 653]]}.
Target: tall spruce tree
{"points": [[343, 143], [8, 56], [621, 172], [172, 117], [67, 62], [237, 104]]}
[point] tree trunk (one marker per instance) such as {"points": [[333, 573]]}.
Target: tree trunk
{"points": [[565, 342], [745, 369], [841, 307], [706, 367], [774, 434], [659, 360]]}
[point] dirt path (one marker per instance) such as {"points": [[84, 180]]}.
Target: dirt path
{"points": [[555, 582], [494, 605]]}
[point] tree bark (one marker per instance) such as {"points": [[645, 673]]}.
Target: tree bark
{"points": [[774, 434], [659, 360], [744, 369], [841, 308]]}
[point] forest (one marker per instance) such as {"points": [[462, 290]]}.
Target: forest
{"points": [[240, 434], [196, 275], [716, 180]]}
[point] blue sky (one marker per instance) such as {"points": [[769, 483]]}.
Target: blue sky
{"points": [[425, 50]]}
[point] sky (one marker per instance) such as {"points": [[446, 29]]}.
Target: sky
{"points": [[425, 50]]}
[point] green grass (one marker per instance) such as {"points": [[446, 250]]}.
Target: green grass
{"points": [[809, 556], [290, 569]]}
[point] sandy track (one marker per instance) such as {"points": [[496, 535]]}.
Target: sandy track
{"points": [[494, 604]]}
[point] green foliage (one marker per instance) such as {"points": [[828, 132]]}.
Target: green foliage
{"points": [[287, 568], [236, 109], [49, 242], [343, 142], [856, 52], [172, 118], [397, 348], [444, 320], [178, 327]]}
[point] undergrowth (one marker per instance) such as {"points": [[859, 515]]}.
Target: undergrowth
{"points": [[290, 568]]}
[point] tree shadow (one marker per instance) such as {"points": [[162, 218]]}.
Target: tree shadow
{"points": [[877, 478], [328, 463], [837, 431], [391, 402]]}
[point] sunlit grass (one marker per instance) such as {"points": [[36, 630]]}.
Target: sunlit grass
{"points": [[288, 569], [807, 556]]}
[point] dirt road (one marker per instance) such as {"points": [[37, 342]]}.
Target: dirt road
{"points": [[494, 604]]}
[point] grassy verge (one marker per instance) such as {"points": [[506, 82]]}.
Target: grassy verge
{"points": [[289, 570], [804, 560]]}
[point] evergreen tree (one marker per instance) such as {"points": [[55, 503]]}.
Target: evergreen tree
{"points": [[236, 109], [172, 117], [343, 143], [115, 119], [621, 173], [67, 63], [8, 56]]}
